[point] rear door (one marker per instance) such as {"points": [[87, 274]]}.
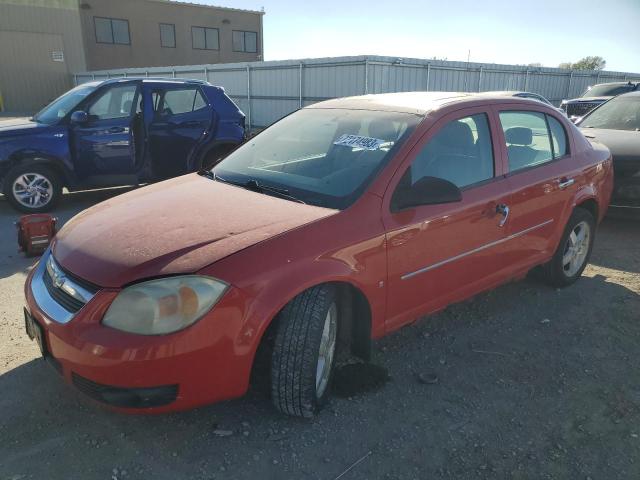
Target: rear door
{"points": [[104, 145], [542, 178], [182, 119], [438, 254]]}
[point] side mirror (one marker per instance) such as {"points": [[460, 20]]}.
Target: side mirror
{"points": [[79, 117], [426, 191]]}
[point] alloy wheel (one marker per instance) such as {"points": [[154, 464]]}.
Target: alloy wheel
{"points": [[326, 351], [32, 190], [576, 249]]}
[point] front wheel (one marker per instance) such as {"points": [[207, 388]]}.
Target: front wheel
{"points": [[304, 352], [32, 188], [574, 250]]}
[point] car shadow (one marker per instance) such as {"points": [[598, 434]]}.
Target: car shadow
{"points": [[13, 262], [618, 244], [523, 335]]}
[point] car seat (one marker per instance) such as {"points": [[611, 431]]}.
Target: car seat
{"points": [[519, 140]]}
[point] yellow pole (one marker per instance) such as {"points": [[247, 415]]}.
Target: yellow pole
{"points": [[1, 103]]}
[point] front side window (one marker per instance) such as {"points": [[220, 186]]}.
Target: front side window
{"points": [[527, 139], [245, 41], [461, 152], [620, 113], [167, 35], [205, 38], [323, 157], [178, 101], [114, 102], [112, 30]]}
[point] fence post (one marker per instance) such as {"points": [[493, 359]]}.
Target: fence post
{"points": [[300, 85], [526, 81], [366, 76], [569, 86], [75, 79], [206, 74], [174, 73], [428, 74], [93, 76], [146, 73], [249, 97], [480, 80]]}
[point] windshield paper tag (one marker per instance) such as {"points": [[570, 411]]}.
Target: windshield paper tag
{"points": [[366, 143]]}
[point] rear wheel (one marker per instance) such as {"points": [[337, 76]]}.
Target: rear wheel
{"points": [[304, 352], [573, 252], [32, 188]]}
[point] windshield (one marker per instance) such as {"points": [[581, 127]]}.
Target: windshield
{"points": [[620, 113], [323, 157], [605, 90], [63, 104]]}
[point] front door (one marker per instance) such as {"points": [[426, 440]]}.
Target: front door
{"points": [[439, 254], [104, 146], [182, 117]]}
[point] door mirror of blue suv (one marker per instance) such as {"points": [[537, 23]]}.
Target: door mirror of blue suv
{"points": [[79, 117]]}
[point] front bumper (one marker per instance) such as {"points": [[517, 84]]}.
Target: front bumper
{"points": [[208, 362]]}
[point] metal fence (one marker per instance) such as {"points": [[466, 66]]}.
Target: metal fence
{"points": [[267, 91]]}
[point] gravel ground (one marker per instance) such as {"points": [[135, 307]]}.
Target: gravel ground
{"points": [[522, 382]]}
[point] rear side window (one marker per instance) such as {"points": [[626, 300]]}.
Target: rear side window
{"points": [[527, 139], [176, 102], [559, 137], [460, 152]]}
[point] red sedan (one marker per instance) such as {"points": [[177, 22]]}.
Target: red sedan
{"points": [[335, 226]]}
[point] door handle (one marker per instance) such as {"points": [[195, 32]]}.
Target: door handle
{"points": [[503, 210], [116, 130], [566, 182]]}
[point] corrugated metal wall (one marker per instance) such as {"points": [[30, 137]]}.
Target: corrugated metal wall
{"points": [[266, 91]]}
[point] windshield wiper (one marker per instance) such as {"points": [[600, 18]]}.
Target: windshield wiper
{"points": [[252, 185]]}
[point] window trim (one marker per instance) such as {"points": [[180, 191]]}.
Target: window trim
{"points": [[175, 40], [113, 38], [193, 47], [244, 32]]}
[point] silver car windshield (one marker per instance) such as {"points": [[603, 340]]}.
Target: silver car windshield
{"points": [[619, 113], [323, 157]]}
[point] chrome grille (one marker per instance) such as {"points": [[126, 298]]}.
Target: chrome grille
{"points": [[59, 294], [579, 109]]}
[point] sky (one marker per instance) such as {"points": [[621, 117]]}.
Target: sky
{"points": [[493, 31]]}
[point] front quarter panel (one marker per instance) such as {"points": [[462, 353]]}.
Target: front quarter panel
{"points": [[346, 247], [46, 143]]}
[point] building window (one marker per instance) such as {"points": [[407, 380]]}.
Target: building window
{"points": [[112, 30], [167, 35], [204, 38], [245, 41]]}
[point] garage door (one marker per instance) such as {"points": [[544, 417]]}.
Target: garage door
{"points": [[33, 70]]}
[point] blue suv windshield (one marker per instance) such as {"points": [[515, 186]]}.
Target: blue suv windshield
{"points": [[63, 104]]}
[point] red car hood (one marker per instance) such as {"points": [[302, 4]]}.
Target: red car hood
{"points": [[177, 226]]}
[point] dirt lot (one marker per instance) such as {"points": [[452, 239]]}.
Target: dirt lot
{"points": [[522, 382]]}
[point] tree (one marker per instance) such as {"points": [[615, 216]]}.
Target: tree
{"points": [[586, 63], [535, 65]]}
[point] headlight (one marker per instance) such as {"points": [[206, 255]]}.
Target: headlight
{"points": [[163, 306]]}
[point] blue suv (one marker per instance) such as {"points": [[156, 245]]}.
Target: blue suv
{"points": [[116, 132]]}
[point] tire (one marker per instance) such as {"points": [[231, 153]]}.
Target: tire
{"points": [[559, 272], [299, 384], [46, 185]]}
